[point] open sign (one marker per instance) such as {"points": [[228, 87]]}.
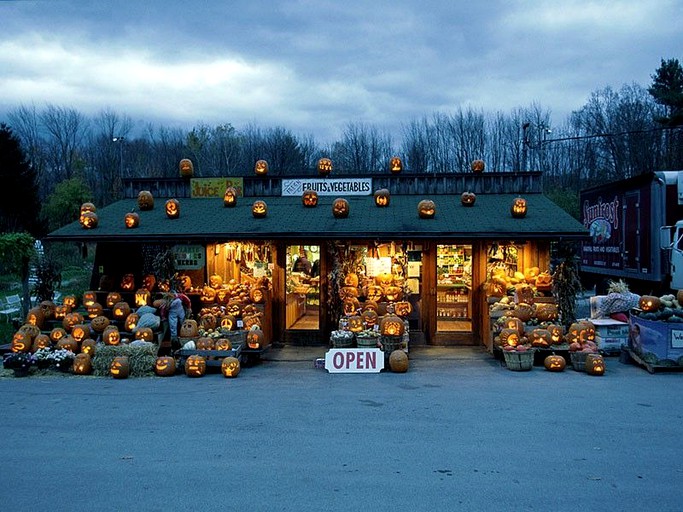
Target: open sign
{"points": [[354, 360]]}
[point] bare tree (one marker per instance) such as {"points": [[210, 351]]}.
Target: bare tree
{"points": [[66, 130]]}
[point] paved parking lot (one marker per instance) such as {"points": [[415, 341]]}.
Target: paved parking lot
{"points": [[457, 432]]}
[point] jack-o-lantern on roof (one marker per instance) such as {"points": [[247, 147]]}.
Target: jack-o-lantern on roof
{"points": [[309, 198], [186, 168], [395, 165], [261, 168], [324, 166]]}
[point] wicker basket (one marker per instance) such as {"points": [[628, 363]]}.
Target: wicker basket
{"points": [[366, 341], [391, 343], [519, 361], [342, 340], [578, 360]]}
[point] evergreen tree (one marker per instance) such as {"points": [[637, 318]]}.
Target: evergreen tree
{"points": [[667, 90], [19, 203]]}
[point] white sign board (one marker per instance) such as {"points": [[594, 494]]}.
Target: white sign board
{"points": [[328, 186], [354, 360]]}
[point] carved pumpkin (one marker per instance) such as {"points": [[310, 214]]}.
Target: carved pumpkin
{"points": [[309, 198], [120, 367], [477, 166], [145, 200], [649, 303], [208, 321], [257, 295], [48, 308], [595, 364], [205, 343], [393, 293], [184, 282], [523, 311], [510, 337], [468, 198], [195, 366], [21, 342], [164, 366], [68, 343], [35, 316], [374, 293], [57, 334], [518, 208], [382, 197], [41, 341], [131, 220], [144, 334], [31, 330], [111, 335], [142, 297], [94, 310], [556, 334], [540, 338], [79, 332], [512, 322], [351, 279], [228, 322], [120, 310], [112, 299], [403, 309], [186, 168], [544, 282], [426, 209], [370, 304], [88, 220], [547, 312], [368, 317], [230, 367], [230, 197], [71, 319], [350, 306], [398, 361], [555, 363], [189, 329], [259, 209], [82, 364], [223, 344], [255, 338], [89, 298], [324, 166], [355, 323], [88, 346], [70, 301], [127, 282], [172, 208], [61, 311], [395, 165], [261, 168], [391, 325], [340, 208]]}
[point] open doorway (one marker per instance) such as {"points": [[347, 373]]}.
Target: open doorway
{"points": [[303, 287]]}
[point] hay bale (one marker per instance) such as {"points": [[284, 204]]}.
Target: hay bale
{"points": [[141, 357]]}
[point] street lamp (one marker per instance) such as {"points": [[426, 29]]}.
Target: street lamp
{"points": [[119, 141]]}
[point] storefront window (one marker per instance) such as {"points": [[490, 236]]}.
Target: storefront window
{"points": [[454, 288], [381, 275], [303, 287], [239, 262]]}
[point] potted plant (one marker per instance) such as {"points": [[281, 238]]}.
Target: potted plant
{"points": [[43, 358], [20, 362], [62, 359]]}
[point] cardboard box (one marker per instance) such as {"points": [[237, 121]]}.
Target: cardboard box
{"points": [[663, 339], [607, 344], [610, 328]]}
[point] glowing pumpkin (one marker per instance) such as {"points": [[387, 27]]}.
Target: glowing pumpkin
{"points": [[145, 200], [518, 208], [120, 367], [230, 367], [186, 168], [426, 209], [172, 208], [259, 209], [340, 208], [164, 366], [309, 198], [324, 166], [261, 168], [382, 197]]}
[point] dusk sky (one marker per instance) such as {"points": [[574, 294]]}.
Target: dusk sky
{"points": [[314, 66]]}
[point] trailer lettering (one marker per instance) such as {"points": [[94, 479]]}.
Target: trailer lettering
{"points": [[600, 210]]}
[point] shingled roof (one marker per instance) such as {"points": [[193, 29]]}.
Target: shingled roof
{"points": [[205, 220]]}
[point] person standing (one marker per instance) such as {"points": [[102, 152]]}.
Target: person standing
{"points": [[178, 305]]}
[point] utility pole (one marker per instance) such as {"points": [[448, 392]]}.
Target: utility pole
{"points": [[119, 141]]}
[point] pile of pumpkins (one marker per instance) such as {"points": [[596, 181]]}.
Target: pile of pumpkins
{"points": [[667, 308], [532, 324], [532, 280], [384, 287]]}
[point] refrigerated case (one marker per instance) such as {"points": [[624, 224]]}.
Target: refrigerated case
{"points": [[454, 288]]}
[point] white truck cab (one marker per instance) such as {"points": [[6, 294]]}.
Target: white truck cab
{"points": [[675, 247]]}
